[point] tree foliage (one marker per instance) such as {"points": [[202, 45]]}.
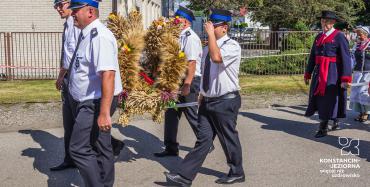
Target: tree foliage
{"points": [[287, 13], [224, 4], [364, 15]]}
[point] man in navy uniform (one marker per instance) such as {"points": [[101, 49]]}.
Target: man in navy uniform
{"points": [[192, 47], [330, 64], [94, 85], [69, 41], [219, 105]]}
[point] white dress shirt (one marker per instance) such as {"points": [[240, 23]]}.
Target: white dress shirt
{"points": [[96, 53], [192, 47], [223, 76], [71, 36]]}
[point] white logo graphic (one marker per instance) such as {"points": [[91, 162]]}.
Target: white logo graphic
{"points": [[349, 146]]}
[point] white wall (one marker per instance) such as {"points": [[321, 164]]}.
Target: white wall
{"points": [[36, 15], [150, 9]]}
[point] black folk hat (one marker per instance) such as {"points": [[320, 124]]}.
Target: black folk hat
{"points": [[327, 14]]}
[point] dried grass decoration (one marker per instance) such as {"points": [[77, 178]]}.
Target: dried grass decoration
{"points": [[152, 65]]}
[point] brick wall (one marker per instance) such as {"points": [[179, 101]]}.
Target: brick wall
{"points": [[36, 15]]}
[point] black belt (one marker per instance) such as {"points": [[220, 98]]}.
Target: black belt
{"points": [[230, 95]]}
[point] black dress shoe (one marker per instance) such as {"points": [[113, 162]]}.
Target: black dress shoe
{"points": [[166, 153], [321, 133], [63, 166], [177, 179], [230, 180], [117, 146]]}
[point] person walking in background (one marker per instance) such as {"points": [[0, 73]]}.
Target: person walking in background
{"points": [[361, 74], [69, 41], [330, 64], [191, 45]]}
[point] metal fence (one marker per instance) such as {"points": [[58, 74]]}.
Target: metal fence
{"points": [[29, 55], [3, 56], [36, 55], [274, 53]]}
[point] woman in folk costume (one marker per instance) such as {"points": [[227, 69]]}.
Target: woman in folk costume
{"points": [[361, 74], [330, 67]]}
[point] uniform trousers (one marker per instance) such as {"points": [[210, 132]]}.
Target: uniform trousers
{"points": [[172, 117], [90, 148], [215, 117], [68, 121]]}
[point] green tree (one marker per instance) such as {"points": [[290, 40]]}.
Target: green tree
{"points": [[225, 4], [287, 13], [301, 14], [364, 15]]}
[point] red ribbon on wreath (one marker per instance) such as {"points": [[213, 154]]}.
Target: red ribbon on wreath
{"points": [[147, 79]]}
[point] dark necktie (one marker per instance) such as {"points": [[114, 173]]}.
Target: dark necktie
{"points": [[207, 69], [73, 57], [205, 76], [62, 49]]}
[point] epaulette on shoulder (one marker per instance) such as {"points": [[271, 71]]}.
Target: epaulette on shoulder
{"points": [[94, 33]]}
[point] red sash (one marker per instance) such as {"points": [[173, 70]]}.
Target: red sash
{"points": [[324, 62]]}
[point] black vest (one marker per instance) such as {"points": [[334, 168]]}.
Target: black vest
{"points": [[362, 59]]}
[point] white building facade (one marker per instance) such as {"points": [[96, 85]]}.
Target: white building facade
{"points": [[150, 9], [40, 16]]}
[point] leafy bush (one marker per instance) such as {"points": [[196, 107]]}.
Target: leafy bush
{"points": [[241, 25], [299, 41], [287, 62], [292, 56], [300, 26]]}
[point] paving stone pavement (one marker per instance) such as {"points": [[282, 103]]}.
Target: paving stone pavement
{"points": [[278, 150]]}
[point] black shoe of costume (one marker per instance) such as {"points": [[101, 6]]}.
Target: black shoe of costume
{"points": [[166, 153], [178, 179], [230, 180], [323, 130], [364, 118], [321, 133], [63, 166], [335, 126], [117, 146]]}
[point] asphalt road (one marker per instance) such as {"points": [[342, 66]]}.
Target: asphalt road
{"points": [[278, 150]]}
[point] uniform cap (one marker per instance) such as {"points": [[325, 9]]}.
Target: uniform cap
{"points": [[219, 16], [75, 4], [185, 13]]}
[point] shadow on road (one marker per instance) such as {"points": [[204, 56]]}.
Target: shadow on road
{"points": [[143, 144], [50, 154], [307, 131], [346, 123]]}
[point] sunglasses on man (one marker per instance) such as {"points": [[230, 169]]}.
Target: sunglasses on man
{"points": [[60, 5]]}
